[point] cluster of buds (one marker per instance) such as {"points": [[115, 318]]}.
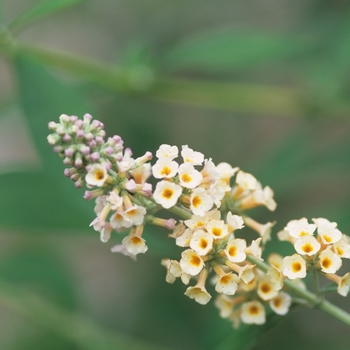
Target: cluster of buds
{"points": [[117, 180], [210, 202]]}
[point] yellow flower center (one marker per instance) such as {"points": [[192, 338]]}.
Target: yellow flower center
{"points": [[307, 248], [196, 201], [165, 171], [326, 263], [203, 243], [186, 178], [195, 260], [99, 175], [277, 302], [265, 288], [253, 310], [168, 193], [216, 231], [296, 266], [232, 251], [136, 240], [225, 279]]}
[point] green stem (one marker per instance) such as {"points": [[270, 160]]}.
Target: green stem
{"points": [[313, 300], [248, 98], [181, 212]]}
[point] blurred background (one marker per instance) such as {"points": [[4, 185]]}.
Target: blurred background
{"points": [[263, 85]]}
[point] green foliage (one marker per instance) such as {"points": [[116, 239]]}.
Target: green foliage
{"points": [[42, 9], [230, 50]]}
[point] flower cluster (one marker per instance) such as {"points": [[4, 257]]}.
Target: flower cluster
{"points": [[323, 252], [211, 203]]}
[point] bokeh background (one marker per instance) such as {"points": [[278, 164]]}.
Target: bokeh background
{"points": [[263, 85]]}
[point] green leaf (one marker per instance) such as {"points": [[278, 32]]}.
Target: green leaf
{"points": [[43, 99], [74, 327], [229, 50], [246, 336], [41, 10], [34, 201]]}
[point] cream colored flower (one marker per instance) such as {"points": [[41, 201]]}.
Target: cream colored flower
{"points": [[217, 228], [235, 250], [191, 263], [300, 228], [134, 244], [342, 248], [201, 201], [167, 151], [174, 271], [189, 177], [165, 168], [294, 267], [185, 239], [329, 261], [224, 304], [199, 294], [344, 285], [201, 242], [167, 193], [281, 303], [234, 222], [135, 214], [253, 312], [275, 260], [266, 289], [192, 157], [227, 283], [96, 175], [307, 245]]}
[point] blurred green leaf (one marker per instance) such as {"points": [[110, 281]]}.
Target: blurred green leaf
{"points": [[246, 336], [72, 326], [42, 102], [246, 98], [35, 201], [41, 10], [230, 49], [37, 268]]}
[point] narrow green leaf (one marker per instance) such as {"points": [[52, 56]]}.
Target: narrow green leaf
{"points": [[231, 49], [41, 10]]}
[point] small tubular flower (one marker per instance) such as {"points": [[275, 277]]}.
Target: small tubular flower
{"points": [[189, 177], [199, 292], [96, 175], [329, 261], [266, 289], [167, 193], [294, 267], [281, 303], [201, 242], [307, 245], [134, 244], [227, 283], [165, 168], [167, 151], [201, 202], [217, 228], [191, 263], [235, 250], [253, 312]]}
